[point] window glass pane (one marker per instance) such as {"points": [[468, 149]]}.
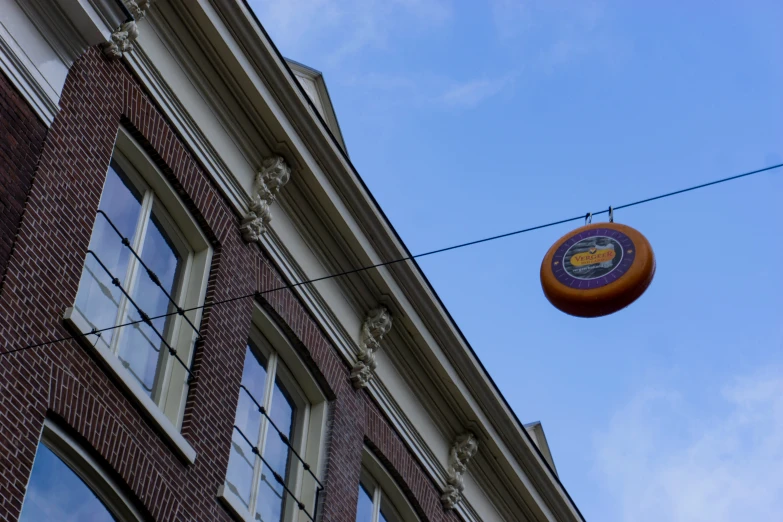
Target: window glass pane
{"points": [[55, 492], [271, 495], [140, 347], [364, 508], [239, 478], [98, 299]]}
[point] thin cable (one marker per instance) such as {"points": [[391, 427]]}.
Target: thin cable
{"points": [[152, 275], [409, 258]]}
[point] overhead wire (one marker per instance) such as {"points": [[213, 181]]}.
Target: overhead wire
{"points": [[402, 259]]}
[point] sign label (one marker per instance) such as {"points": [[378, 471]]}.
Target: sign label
{"points": [[593, 258]]}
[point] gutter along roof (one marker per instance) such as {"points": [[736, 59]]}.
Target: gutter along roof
{"points": [[336, 142]]}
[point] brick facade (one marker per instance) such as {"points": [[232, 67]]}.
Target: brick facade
{"points": [[21, 139], [62, 381]]}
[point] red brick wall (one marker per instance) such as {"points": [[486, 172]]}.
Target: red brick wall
{"points": [[21, 139], [387, 445], [62, 381]]}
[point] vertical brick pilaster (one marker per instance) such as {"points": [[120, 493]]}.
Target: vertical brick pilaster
{"points": [[21, 139]]}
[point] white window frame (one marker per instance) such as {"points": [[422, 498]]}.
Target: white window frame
{"points": [[89, 471], [310, 419], [167, 404], [384, 491]]}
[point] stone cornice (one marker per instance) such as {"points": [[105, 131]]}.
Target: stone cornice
{"points": [[361, 227], [477, 393]]}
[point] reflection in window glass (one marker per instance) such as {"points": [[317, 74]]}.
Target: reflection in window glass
{"points": [[241, 463], [374, 504], [139, 347], [365, 508], [55, 492], [249, 478], [271, 495], [98, 300]]}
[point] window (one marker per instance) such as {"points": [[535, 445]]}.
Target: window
{"points": [[373, 505], [160, 268], [139, 216], [67, 485], [380, 500], [277, 404]]}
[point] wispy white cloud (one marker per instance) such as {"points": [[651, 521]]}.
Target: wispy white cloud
{"points": [[511, 17], [554, 32], [341, 28], [473, 92], [663, 459]]}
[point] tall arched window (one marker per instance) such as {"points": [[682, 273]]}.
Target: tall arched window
{"points": [[67, 485], [147, 263], [276, 447], [380, 499]]}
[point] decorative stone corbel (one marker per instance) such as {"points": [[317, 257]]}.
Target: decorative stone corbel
{"points": [[274, 173], [376, 325], [122, 38], [463, 449], [138, 8]]}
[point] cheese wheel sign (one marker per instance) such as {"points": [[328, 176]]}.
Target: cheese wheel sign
{"points": [[597, 269]]}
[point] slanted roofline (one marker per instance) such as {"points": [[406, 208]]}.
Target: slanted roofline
{"points": [[314, 85], [503, 408], [536, 431]]}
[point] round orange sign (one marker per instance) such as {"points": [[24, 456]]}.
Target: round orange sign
{"points": [[597, 269]]}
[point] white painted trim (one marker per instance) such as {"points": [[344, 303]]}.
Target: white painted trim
{"points": [[536, 430], [175, 111], [329, 115], [88, 470], [78, 324], [233, 504], [24, 75]]}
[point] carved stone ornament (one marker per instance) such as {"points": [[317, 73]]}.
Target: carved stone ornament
{"points": [[377, 324], [138, 8], [122, 38], [464, 448], [274, 174]]}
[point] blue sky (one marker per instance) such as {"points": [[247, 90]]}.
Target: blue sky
{"points": [[472, 118]]}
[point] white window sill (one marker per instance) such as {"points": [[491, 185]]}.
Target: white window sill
{"points": [[76, 321], [233, 503]]}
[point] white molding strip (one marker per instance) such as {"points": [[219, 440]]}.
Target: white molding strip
{"points": [[24, 75]]}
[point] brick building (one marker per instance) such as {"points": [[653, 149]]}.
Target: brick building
{"points": [[166, 178]]}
